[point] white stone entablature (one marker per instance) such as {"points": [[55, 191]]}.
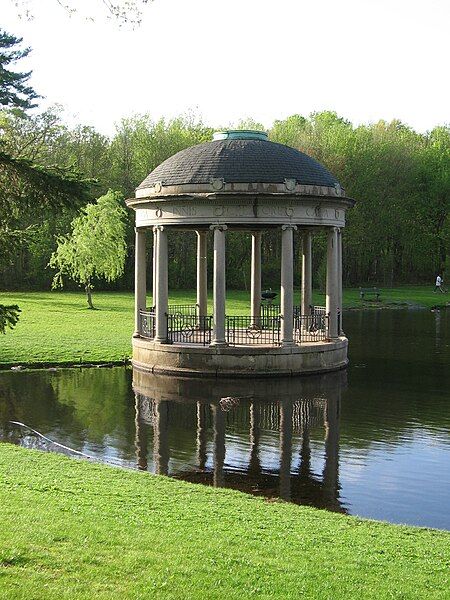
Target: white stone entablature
{"points": [[247, 211]]}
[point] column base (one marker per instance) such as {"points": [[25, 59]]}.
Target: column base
{"points": [[218, 344]]}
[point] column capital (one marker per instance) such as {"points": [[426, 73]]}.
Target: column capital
{"points": [[218, 226], [289, 226], [158, 228]]}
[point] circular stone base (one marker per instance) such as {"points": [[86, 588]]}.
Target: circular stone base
{"points": [[240, 361]]}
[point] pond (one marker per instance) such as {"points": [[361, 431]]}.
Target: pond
{"points": [[373, 440]]}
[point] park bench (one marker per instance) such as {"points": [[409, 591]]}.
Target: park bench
{"points": [[369, 291]]}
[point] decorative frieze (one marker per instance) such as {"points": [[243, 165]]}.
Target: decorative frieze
{"points": [[203, 212]]}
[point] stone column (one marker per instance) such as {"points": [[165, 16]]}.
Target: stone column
{"points": [[162, 293], [255, 292], [339, 265], [306, 300], [219, 287], [202, 273], [287, 285], [154, 282], [140, 280], [332, 282]]}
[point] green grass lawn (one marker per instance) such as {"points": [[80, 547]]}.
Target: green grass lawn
{"points": [[57, 327], [72, 529]]}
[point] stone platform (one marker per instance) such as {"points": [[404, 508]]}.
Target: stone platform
{"points": [[239, 361]]}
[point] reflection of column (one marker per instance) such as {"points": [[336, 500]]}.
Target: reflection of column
{"points": [[141, 439], [219, 288], [305, 452], [331, 469], [140, 283], [285, 448], [219, 444], [332, 282], [202, 273], [306, 299], [254, 466], [201, 435], [287, 285], [437, 322], [161, 438], [162, 295], [154, 282], [255, 292]]}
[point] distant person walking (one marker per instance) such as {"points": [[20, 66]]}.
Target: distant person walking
{"points": [[439, 285]]}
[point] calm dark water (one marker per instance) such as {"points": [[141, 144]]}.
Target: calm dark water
{"points": [[372, 441]]}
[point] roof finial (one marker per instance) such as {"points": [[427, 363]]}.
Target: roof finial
{"points": [[240, 134]]}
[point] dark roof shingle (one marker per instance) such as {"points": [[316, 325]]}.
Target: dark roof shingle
{"points": [[240, 161]]}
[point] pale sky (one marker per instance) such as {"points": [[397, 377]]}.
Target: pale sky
{"points": [[232, 59]]}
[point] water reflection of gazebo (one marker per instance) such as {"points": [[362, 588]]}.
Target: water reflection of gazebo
{"points": [[240, 181], [298, 409]]}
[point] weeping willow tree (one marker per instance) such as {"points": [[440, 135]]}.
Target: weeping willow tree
{"points": [[96, 246]]}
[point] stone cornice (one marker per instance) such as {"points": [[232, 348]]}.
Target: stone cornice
{"points": [[288, 188], [234, 198]]}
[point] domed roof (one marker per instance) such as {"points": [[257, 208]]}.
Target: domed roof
{"points": [[240, 157]]}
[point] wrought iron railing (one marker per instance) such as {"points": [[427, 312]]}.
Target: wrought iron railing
{"points": [[190, 310], [245, 331], [189, 329], [311, 328], [270, 310], [274, 310], [318, 310], [240, 330], [147, 323]]}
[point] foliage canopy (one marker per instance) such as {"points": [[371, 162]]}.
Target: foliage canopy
{"points": [[398, 232], [123, 12]]}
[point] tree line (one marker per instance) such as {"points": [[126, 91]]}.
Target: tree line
{"points": [[51, 176], [398, 232]]}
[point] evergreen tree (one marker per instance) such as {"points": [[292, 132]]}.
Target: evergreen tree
{"points": [[14, 91]]}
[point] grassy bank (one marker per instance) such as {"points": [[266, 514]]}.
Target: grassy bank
{"points": [[57, 327], [71, 529]]}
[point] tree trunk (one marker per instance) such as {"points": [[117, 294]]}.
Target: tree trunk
{"points": [[88, 289]]}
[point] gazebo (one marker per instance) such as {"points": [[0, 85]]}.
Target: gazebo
{"points": [[239, 181]]}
